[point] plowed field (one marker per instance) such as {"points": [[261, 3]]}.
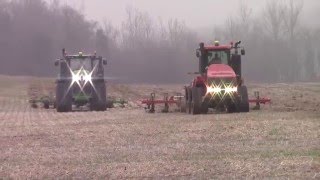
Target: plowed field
{"points": [[280, 141]]}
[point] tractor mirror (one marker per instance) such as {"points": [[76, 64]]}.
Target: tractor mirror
{"points": [[243, 52], [193, 73], [198, 54], [105, 62]]}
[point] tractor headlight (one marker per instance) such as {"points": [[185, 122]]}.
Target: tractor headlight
{"points": [[213, 89], [221, 89], [209, 90], [76, 77], [87, 78], [217, 89], [231, 89], [82, 77]]}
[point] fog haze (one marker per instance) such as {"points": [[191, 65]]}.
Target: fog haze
{"points": [[196, 14], [155, 40]]}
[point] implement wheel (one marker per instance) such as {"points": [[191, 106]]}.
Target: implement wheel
{"points": [[46, 104]]}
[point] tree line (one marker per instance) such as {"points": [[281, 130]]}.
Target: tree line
{"points": [[281, 47], [33, 32]]}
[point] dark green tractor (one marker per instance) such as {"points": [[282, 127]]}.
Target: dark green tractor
{"points": [[81, 82]]}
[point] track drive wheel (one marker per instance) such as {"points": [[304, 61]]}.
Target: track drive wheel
{"points": [[98, 101], [196, 100], [188, 100], [63, 97], [183, 105], [243, 105]]}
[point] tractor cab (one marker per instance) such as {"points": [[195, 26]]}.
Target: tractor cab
{"points": [[80, 82], [83, 63], [77, 63], [220, 54]]}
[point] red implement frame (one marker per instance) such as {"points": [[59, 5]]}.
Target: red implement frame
{"points": [[166, 101], [258, 101], [261, 101], [177, 100]]}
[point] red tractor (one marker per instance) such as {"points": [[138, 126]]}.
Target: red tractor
{"points": [[219, 84]]}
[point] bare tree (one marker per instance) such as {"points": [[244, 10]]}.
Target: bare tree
{"points": [[34, 31], [137, 28], [111, 32], [245, 13], [177, 32], [218, 33], [232, 28], [273, 18], [163, 32], [292, 13]]}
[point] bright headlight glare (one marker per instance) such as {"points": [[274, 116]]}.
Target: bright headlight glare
{"points": [[231, 89], [87, 78], [217, 90], [76, 78], [209, 90], [214, 89]]}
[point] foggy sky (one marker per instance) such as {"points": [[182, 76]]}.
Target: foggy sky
{"points": [[196, 13], [283, 53]]}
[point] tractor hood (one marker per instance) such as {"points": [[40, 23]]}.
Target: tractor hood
{"points": [[220, 71]]}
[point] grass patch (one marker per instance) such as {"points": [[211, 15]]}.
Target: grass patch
{"points": [[274, 132], [314, 153]]}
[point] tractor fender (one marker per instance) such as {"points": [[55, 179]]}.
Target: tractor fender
{"points": [[199, 81]]}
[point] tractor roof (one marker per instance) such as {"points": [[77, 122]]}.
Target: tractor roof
{"points": [[80, 57], [222, 47]]}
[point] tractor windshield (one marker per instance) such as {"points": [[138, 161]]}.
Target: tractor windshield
{"points": [[77, 64], [218, 57]]}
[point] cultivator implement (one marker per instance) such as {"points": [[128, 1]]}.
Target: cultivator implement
{"points": [[46, 101], [179, 101], [166, 102], [38, 94], [116, 102], [258, 100]]}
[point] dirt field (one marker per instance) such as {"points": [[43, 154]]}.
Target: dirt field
{"points": [[281, 141]]}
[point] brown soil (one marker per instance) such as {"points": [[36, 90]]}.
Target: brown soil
{"points": [[280, 141]]}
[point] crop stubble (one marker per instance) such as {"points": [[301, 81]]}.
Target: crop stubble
{"points": [[282, 140]]}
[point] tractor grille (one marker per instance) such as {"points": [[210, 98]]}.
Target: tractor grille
{"points": [[87, 89], [222, 83]]}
